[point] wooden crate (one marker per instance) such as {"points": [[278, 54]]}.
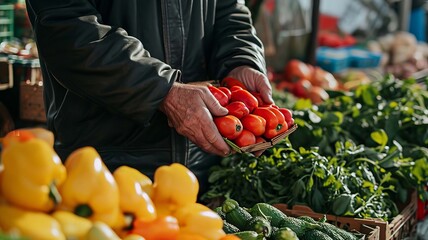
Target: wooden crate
{"points": [[31, 105], [401, 226]]}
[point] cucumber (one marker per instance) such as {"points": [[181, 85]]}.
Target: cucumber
{"points": [[229, 228], [336, 232], [308, 219], [284, 234], [247, 235], [273, 214], [260, 225], [298, 226], [220, 212], [235, 214], [315, 234]]}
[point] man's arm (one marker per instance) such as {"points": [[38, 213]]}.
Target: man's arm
{"points": [[101, 63]]}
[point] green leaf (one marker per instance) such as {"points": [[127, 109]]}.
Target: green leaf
{"points": [[310, 184], [380, 137], [332, 118], [329, 181], [343, 205], [317, 201], [420, 170], [313, 117], [303, 104]]}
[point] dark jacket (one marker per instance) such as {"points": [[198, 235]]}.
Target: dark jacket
{"points": [[107, 65]]}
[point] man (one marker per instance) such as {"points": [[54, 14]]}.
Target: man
{"points": [[118, 74]]}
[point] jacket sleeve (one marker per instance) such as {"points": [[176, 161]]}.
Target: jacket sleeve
{"points": [[100, 63], [236, 43]]}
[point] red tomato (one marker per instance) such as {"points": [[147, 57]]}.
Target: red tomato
{"points": [[245, 97], [230, 81], [260, 140], [219, 95], [302, 88], [282, 124], [245, 139], [259, 98], [162, 228], [296, 69], [226, 91], [288, 116], [237, 109], [254, 123], [234, 88], [268, 115], [229, 126], [318, 95]]}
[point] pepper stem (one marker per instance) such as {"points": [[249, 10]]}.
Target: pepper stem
{"points": [[54, 194], [83, 210]]}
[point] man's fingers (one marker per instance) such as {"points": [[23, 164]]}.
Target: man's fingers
{"points": [[214, 106]]}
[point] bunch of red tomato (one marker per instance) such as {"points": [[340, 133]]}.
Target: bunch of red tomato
{"points": [[249, 120]]}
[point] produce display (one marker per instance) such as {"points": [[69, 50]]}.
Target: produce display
{"points": [[402, 54], [306, 81], [250, 120], [358, 154], [41, 198]]}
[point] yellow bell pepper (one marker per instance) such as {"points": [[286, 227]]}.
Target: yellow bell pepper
{"points": [[133, 199], [101, 231], [73, 226], [174, 186], [32, 172], [43, 134], [90, 190], [33, 225], [197, 219]]}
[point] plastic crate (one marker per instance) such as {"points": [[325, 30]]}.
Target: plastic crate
{"points": [[6, 21], [402, 226], [361, 58], [332, 59]]}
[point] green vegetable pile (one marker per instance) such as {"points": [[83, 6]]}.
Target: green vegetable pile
{"points": [[358, 154], [264, 221]]}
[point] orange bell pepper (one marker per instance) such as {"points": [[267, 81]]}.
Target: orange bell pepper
{"points": [[197, 219], [162, 228], [90, 190]]}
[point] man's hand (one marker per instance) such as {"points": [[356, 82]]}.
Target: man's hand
{"points": [[189, 109], [254, 80]]}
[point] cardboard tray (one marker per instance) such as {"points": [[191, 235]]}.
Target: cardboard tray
{"points": [[263, 145]]}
